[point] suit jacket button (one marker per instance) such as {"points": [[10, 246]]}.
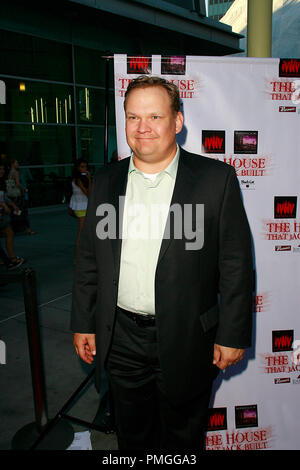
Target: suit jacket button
{"points": [[108, 327], [114, 282]]}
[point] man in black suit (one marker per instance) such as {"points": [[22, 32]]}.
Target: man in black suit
{"points": [[164, 309]]}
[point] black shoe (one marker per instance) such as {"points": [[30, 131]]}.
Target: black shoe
{"points": [[15, 263]]}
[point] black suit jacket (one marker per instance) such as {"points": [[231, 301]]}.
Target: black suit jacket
{"points": [[201, 296]]}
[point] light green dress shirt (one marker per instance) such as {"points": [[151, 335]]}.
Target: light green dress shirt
{"points": [[146, 207]]}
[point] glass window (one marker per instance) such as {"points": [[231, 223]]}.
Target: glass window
{"points": [[30, 56], [90, 68], [28, 101], [46, 186], [91, 106], [91, 144], [37, 144]]}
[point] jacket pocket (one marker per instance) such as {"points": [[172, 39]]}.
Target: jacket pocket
{"points": [[210, 318]]}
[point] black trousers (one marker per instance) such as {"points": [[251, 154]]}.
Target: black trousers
{"points": [[145, 418]]}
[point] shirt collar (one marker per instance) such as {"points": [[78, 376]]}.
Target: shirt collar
{"points": [[171, 169]]}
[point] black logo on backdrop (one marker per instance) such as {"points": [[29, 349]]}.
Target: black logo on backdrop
{"points": [[173, 65], [246, 416], [245, 141]]}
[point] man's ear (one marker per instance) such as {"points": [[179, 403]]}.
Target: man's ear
{"points": [[179, 122]]}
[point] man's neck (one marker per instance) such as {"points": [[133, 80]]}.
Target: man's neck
{"points": [[153, 167]]}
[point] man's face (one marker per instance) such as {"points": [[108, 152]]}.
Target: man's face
{"points": [[151, 124]]}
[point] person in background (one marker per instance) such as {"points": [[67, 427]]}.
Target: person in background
{"points": [[16, 193], [81, 186], [10, 260]]}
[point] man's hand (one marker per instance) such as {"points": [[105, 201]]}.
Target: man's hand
{"points": [[85, 346], [224, 356]]}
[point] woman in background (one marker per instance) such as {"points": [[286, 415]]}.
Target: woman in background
{"points": [[81, 186], [16, 193], [10, 260]]}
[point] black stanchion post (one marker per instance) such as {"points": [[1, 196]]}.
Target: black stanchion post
{"points": [[35, 350], [61, 437]]}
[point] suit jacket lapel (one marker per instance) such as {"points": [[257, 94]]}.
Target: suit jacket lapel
{"points": [[117, 188], [182, 192]]}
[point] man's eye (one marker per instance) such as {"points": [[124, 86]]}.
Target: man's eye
{"points": [[155, 117]]}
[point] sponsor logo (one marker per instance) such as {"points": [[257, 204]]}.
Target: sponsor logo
{"points": [[217, 419], [247, 184], [139, 65], [289, 68], [285, 207], [283, 380], [283, 248], [245, 142], [282, 340], [173, 65], [287, 109], [213, 141], [246, 416]]}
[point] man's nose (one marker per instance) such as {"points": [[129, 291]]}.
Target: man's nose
{"points": [[143, 126]]}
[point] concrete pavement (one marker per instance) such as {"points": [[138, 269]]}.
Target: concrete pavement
{"points": [[51, 254]]}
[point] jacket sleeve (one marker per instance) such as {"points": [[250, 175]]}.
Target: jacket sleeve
{"points": [[235, 269], [84, 291]]}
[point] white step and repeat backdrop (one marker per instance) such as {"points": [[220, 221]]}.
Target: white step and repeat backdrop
{"points": [[246, 112]]}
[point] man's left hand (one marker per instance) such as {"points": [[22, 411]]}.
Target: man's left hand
{"points": [[225, 356]]}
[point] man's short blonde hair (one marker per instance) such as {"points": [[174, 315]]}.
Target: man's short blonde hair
{"points": [[146, 81]]}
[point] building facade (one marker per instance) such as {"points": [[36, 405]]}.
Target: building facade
{"points": [[218, 8], [59, 88]]}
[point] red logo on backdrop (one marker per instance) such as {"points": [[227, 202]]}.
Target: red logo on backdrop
{"points": [[213, 141], [285, 207], [217, 419], [139, 65], [289, 68], [283, 248], [287, 109], [282, 340], [283, 380]]}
